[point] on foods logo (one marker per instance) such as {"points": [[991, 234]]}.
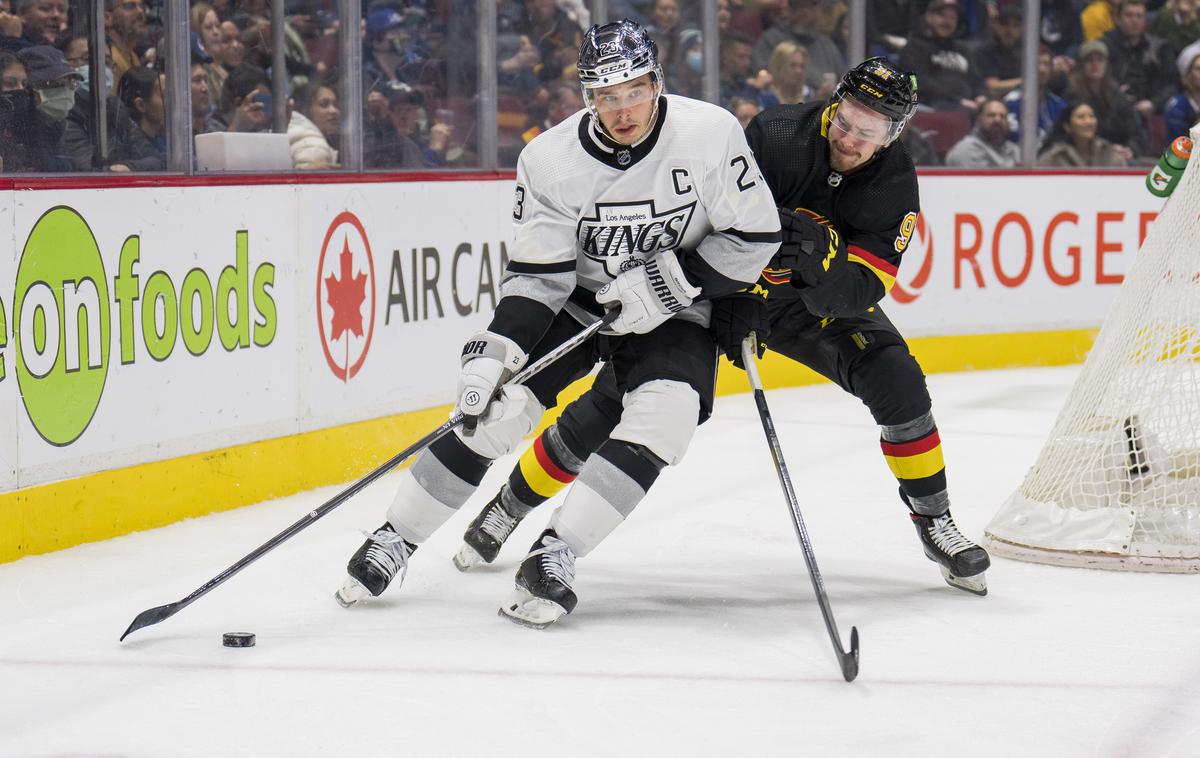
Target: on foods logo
{"points": [[919, 245], [346, 296], [65, 317]]}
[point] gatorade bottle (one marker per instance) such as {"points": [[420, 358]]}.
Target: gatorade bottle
{"points": [[1163, 178]]}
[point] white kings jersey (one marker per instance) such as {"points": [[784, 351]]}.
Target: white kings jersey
{"points": [[587, 209]]}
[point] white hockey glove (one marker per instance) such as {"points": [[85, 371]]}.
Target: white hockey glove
{"points": [[488, 360], [648, 295], [508, 420]]}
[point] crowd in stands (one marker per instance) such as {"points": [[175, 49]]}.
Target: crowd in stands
{"points": [[1116, 79]]}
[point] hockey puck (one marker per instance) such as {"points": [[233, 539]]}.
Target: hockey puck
{"points": [[237, 639]]}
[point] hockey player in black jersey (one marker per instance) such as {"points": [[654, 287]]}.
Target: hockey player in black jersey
{"points": [[848, 206]]}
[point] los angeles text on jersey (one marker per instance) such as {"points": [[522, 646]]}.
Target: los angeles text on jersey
{"points": [[620, 235]]}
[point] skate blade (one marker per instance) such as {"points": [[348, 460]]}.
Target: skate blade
{"points": [[351, 592], [976, 585], [468, 558], [527, 610]]}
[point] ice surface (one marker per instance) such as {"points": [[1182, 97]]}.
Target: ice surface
{"points": [[696, 632]]}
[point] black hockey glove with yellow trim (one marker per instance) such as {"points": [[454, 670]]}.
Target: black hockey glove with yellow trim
{"points": [[810, 249], [735, 316]]}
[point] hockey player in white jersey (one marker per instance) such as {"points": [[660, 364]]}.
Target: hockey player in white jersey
{"points": [[646, 202]]}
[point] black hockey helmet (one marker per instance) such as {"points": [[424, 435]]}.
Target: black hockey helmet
{"points": [[877, 84]]}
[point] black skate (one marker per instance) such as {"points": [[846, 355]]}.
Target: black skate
{"points": [[382, 558], [485, 536], [543, 592], [962, 562]]}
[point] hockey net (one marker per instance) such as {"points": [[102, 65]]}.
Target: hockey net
{"points": [[1117, 485]]}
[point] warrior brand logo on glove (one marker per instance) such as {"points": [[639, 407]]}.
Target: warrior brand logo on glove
{"points": [[661, 288], [620, 230]]}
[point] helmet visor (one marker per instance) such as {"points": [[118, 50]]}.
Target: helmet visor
{"points": [[622, 96], [851, 119]]}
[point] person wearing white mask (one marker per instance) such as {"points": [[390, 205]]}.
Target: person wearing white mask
{"points": [[53, 84]]}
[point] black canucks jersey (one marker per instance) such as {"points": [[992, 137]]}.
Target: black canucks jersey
{"points": [[874, 207]]}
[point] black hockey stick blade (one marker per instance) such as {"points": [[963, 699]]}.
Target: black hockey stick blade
{"points": [[849, 661], [163, 612], [153, 616]]}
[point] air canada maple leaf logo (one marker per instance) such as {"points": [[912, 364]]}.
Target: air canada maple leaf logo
{"points": [[346, 296]]}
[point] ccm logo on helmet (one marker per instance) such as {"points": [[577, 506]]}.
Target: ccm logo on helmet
{"points": [[869, 89], [613, 68]]}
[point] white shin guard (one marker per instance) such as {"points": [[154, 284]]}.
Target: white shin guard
{"points": [[414, 513], [584, 519]]}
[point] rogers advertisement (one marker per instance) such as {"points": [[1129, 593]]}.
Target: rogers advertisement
{"points": [[1018, 253]]}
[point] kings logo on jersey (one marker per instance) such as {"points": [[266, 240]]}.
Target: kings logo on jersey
{"points": [[622, 235]]}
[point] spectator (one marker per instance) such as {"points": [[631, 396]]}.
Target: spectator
{"points": [[385, 40], [801, 27], [557, 37], [80, 144], [1049, 104], [1060, 28], [987, 145], [250, 13], [202, 104], [17, 135], [1142, 65], [207, 34], [313, 129], [744, 110], [53, 84], [1075, 142], [724, 16], [685, 73], [41, 22], [299, 28], [126, 24], [245, 104], [565, 101], [1180, 113], [233, 52], [11, 28], [144, 146], [829, 13], [920, 147], [786, 67], [1177, 23], [890, 24], [999, 58], [664, 27], [841, 35], [736, 59], [1091, 81], [948, 78], [1097, 19], [385, 145]]}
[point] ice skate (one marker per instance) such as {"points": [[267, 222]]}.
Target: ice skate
{"points": [[485, 536], [962, 562], [543, 592], [382, 558]]}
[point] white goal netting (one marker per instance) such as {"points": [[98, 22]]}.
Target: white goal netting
{"points": [[1117, 484]]}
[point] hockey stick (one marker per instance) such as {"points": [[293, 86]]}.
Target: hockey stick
{"points": [[848, 661], [163, 612]]}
